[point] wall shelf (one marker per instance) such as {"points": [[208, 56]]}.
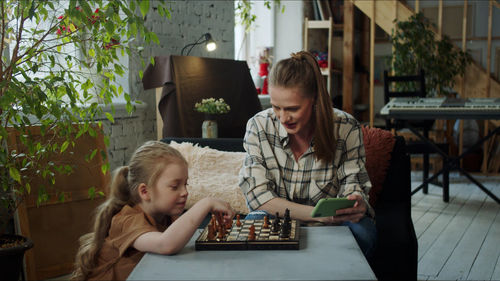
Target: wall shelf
{"points": [[329, 26]]}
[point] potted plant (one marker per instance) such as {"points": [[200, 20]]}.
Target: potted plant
{"points": [[58, 66], [416, 47], [211, 107]]}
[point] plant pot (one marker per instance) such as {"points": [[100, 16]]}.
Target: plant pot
{"points": [[209, 129], [11, 257]]}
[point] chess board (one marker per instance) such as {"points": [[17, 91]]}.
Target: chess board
{"points": [[236, 237]]}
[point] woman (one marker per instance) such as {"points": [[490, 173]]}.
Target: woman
{"points": [[302, 150]]}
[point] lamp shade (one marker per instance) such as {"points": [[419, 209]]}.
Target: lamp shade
{"points": [[205, 38]]}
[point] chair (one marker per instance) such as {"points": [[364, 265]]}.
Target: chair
{"points": [[414, 147]]}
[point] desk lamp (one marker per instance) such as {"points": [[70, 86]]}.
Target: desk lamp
{"points": [[205, 38]]}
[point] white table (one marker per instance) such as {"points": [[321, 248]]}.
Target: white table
{"points": [[326, 252]]}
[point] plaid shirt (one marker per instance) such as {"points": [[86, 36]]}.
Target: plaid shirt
{"points": [[270, 169]]}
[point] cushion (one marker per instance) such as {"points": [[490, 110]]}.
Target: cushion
{"points": [[213, 173], [378, 148]]}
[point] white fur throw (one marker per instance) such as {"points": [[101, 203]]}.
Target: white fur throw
{"points": [[213, 173]]}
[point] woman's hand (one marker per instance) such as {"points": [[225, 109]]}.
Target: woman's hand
{"points": [[354, 214]]}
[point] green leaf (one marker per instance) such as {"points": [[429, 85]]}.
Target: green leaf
{"points": [[144, 6], [93, 154], [92, 52], [105, 168], [110, 117], [14, 173], [133, 29], [91, 192], [64, 146]]}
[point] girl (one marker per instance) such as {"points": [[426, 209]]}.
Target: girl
{"points": [[142, 214], [302, 150]]}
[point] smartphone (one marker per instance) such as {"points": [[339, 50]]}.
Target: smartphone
{"points": [[327, 207]]}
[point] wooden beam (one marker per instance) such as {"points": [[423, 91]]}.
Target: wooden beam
{"points": [[488, 85], [385, 15], [488, 54], [365, 62], [393, 49], [440, 123], [440, 19], [329, 79], [417, 6], [348, 58], [462, 81], [372, 62], [159, 120], [306, 34]]}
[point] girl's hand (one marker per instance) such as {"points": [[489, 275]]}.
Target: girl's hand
{"points": [[354, 214], [223, 208]]}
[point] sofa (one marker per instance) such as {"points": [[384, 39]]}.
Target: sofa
{"points": [[214, 165]]}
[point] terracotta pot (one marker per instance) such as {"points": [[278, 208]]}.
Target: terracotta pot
{"points": [[11, 258]]}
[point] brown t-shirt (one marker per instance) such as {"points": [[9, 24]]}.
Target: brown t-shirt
{"points": [[117, 258]]}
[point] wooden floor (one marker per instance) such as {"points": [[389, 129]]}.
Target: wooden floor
{"points": [[459, 240]]}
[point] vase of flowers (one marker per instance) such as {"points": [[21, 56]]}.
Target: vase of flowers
{"points": [[211, 107]]}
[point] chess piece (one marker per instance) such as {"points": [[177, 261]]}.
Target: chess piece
{"points": [[213, 225], [251, 234], [210, 234], [285, 230], [286, 217], [222, 231], [277, 218], [266, 222], [276, 225], [287, 220], [238, 222]]}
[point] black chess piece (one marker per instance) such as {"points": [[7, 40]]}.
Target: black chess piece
{"points": [[286, 221], [285, 230], [275, 226]]}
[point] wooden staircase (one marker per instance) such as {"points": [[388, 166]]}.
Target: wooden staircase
{"points": [[385, 14], [478, 82]]}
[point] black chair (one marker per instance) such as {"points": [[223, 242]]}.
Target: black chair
{"points": [[414, 147]]}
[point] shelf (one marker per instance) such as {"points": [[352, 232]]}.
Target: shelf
{"points": [[314, 24], [329, 26], [318, 24]]}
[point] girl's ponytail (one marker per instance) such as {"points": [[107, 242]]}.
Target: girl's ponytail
{"points": [[146, 165], [91, 243]]}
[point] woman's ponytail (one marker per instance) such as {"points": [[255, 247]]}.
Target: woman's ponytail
{"points": [[302, 71]]}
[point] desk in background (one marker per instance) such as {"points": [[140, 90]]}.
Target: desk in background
{"points": [[326, 253]]}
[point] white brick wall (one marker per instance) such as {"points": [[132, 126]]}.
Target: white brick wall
{"points": [[189, 21]]}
